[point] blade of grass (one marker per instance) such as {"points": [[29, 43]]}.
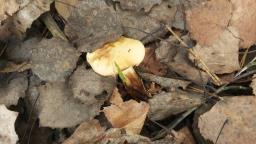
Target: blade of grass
{"points": [[174, 123], [120, 74]]}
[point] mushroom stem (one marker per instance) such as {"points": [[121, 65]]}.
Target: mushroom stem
{"points": [[134, 84]]}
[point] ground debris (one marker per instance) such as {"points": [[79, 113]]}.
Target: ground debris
{"points": [[7, 131], [170, 103], [138, 5], [92, 132], [230, 121], [176, 58]]}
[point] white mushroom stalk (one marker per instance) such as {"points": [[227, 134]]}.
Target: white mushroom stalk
{"points": [[125, 52]]}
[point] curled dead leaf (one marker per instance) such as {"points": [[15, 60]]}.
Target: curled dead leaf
{"points": [[129, 115]]}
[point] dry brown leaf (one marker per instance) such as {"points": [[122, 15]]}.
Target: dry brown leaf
{"points": [[117, 136], [86, 85], [13, 67], [60, 55], [189, 139], [12, 87], [64, 7], [87, 132], [116, 98], [166, 104], [152, 64], [59, 109], [7, 129], [176, 58], [23, 19], [243, 19], [222, 56], [91, 132], [129, 115], [7, 8], [208, 20], [233, 119], [146, 5]]}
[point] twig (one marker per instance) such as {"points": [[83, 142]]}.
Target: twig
{"points": [[214, 77]]}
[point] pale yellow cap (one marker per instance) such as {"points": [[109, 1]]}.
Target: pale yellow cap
{"points": [[126, 52]]}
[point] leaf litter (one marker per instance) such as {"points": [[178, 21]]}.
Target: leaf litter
{"points": [[183, 50]]}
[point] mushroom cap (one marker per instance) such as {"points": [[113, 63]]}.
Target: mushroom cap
{"points": [[125, 52]]}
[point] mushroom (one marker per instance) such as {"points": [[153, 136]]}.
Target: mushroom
{"points": [[124, 53]]}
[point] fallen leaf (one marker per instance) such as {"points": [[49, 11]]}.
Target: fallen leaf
{"points": [[12, 87], [92, 24], [139, 26], [165, 82], [65, 7], [243, 19], [13, 67], [87, 132], [7, 131], [59, 109], [92, 132], [116, 98], [129, 115], [23, 18], [7, 8], [165, 12], [87, 85], [207, 21], [59, 54], [222, 56], [176, 58], [165, 104], [189, 139], [117, 136], [152, 64], [146, 5], [232, 119]]}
